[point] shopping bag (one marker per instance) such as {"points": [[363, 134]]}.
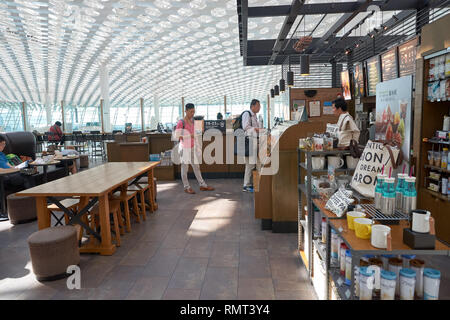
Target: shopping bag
{"points": [[376, 154]]}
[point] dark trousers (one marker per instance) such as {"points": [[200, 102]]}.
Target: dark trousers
{"points": [[17, 180]]}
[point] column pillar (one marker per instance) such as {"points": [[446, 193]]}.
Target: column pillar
{"points": [[142, 115], [268, 112], [155, 119], [224, 106], [63, 118], [48, 109], [24, 116], [182, 108], [104, 90]]}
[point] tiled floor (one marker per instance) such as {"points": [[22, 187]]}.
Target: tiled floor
{"points": [[203, 246]]}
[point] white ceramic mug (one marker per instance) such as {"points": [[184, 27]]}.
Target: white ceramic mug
{"points": [[318, 163], [351, 162], [336, 162], [420, 221], [379, 236]]}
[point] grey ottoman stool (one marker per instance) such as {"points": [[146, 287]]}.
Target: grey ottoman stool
{"points": [[21, 209], [52, 250]]}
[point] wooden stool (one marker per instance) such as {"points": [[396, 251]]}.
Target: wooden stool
{"points": [[71, 204], [142, 189], [114, 211], [129, 195]]}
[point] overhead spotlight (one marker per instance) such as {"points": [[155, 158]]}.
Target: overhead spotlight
{"points": [[290, 79], [272, 93], [277, 90], [282, 85], [304, 65]]}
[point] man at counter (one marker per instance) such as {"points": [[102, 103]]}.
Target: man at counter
{"points": [[185, 126], [251, 126], [348, 130]]}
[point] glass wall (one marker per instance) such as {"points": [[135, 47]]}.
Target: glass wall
{"points": [[11, 116]]}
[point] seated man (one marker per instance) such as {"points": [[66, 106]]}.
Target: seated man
{"points": [[14, 178]]}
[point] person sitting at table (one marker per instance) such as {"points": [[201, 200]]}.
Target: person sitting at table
{"points": [[56, 134], [14, 179]]}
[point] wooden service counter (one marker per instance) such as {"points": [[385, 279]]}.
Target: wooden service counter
{"points": [[276, 196]]}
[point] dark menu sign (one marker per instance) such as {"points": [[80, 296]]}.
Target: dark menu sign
{"points": [[215, 124], [373, 75], [407, 53], [358, 80], [389, 65]]}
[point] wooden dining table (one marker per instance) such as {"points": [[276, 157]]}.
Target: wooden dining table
{"points": [[91, 186]]}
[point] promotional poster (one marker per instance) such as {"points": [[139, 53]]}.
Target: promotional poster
{"points": [[393, 119]]}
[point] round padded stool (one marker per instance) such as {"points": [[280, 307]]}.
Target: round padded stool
{"points": [[21, 209], [52, 250], [84, 161]]}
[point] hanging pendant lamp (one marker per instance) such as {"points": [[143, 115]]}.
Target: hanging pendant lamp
{"points": [[304, 65], [277, 90], [282, 85], [272, 93]]}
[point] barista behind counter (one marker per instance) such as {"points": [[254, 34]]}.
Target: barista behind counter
{"points": [[348, 130]]}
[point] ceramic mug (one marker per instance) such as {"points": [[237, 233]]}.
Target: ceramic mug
{"points": [[363, 227], [318, 163], [351, 162], [336, 162], [420, 221], [379, 236], [351, 216]]}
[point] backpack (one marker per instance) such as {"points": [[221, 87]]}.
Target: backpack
{"points": [[238, 122]]}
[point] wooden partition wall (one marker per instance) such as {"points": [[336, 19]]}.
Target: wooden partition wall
{"points": [[322, 95]]}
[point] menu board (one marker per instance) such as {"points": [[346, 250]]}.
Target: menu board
{"points": [[407, 53], [389, 65], [358, 80], [373, 75], [345, 83]]}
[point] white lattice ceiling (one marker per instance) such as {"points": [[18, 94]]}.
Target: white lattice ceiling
{"points": [[51, 50]]}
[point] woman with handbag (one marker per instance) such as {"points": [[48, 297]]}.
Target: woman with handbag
{"points": [[185, 133], [348, 130]]}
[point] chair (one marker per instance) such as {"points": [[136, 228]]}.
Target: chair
{"points": [[52, 250], [79, 139], [143, 190], [124, 200], [71, 204], [117, 225], [97, 147]]}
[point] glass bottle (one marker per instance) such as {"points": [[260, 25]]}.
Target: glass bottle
{"points": [[379, 190]]}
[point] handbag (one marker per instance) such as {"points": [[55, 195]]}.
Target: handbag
{"points": [[376, 154]]}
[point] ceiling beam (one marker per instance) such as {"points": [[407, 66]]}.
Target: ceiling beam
{"points": [[287, 25], [242, 9], [329, 8], [341, 23]]}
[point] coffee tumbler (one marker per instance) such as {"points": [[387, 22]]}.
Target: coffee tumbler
{"points": [[395, 264], [379, 190], [418, 265], [431, 281], [407, 284], [388, 281]]}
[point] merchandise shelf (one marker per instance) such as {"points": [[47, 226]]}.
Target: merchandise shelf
{"points": [[304, 166], [320, 247], [436, 168], [342, 289], [436, 194]]}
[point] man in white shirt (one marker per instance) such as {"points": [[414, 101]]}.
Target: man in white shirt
{"points": [[251, 126]]}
